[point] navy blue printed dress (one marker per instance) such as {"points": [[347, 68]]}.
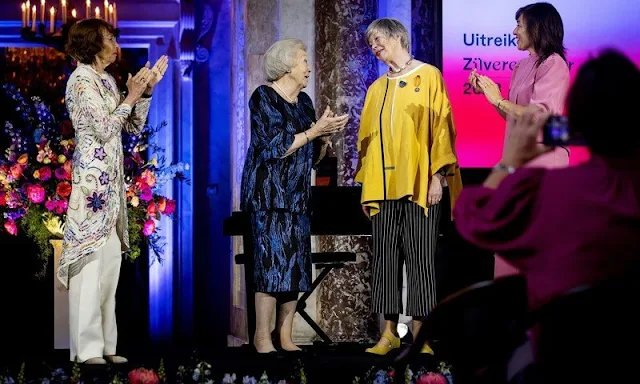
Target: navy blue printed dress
{"points": [[275, 191]]}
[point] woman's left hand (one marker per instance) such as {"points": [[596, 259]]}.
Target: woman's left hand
{"points": [[490, 89], [435, 191], [158, 71]]}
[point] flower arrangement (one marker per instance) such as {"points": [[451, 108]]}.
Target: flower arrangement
{"points": [[35, 177], [421, 376], [201, 372]]}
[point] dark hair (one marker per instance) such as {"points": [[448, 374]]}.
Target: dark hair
{"points": [[601, 104], [544, 29], [85, 39]]}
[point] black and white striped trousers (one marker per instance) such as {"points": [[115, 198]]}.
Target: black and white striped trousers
{"points": [[402, 233]]}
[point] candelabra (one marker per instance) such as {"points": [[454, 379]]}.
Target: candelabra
{"points": [[52, 31]]}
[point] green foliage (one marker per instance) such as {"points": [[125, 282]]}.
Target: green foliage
{"points": [[32, 225]]}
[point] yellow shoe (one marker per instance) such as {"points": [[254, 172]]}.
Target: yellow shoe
{"points": [[386, 344], [426, 349]]}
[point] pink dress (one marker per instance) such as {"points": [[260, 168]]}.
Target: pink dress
{"points": [[547, 87]]}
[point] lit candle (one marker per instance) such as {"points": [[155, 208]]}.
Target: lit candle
{"points": [[42, 9], [106, 10], [111, 13], [33, 18], [74, 14], [88, 9], [24, 14], [64, 11], [28, 8], [97, 12], [52, 20], [115, 16]]}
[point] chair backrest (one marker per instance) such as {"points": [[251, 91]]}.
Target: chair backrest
{"points": [[592, 326], [478, 326]]}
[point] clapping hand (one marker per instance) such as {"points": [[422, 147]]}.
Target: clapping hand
{"points": [[137, 85], [473, 80], [158, 71], [329, 124], [489, 88]]}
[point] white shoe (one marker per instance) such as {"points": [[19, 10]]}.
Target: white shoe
{"points": [[95, 361], [115, 359]]}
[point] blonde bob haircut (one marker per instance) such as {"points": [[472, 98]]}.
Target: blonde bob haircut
{"points": [[280, 58], [389, 28]]}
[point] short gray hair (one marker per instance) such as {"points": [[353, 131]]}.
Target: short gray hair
{"points": [[280, 58], [390, 28]]}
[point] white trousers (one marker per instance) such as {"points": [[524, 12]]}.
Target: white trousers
{"points": [[92, 303]]}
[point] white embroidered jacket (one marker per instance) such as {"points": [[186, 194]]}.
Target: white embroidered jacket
{"points": [[97, 202]]}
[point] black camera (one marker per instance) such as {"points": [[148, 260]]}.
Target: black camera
{"points": [[556, 133]]}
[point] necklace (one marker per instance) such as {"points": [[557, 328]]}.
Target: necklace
{"points": [[394, 71], [284, 93]]}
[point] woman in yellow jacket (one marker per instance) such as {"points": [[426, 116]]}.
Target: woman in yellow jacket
{"points": [[407, 160]]}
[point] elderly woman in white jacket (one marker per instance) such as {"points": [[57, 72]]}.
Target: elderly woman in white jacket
{"points": [[96, 224]]}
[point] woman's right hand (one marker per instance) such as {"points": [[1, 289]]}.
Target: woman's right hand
{"points": [[329, 124], [473, 80], [136, 85]]}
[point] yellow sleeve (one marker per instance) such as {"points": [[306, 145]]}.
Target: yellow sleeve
{"points": [[443, 133], [363, 134]]}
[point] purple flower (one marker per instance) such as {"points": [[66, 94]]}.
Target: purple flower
{"points": [[107, 84], [100, 153], [104, 178], [96, 201]]}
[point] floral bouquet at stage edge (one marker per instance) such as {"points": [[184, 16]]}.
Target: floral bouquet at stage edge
{"points": [[35, 176]]}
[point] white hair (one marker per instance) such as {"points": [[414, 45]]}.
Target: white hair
{"points": [[389, 28], [280, 58]]}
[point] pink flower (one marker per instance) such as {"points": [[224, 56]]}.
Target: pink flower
{"points": [[148, 178], [35, 193], [146, 193], [11, 228], [143, 376], [61, 206], [149, 227], [50, 205], [3, 198], [44, 173], [170, 208], [432, 378]]}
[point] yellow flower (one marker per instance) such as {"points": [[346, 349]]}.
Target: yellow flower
{"points": [[154, 161], [135, 201], [46, 160], [62, 159], [36, 174], [53, 224]]}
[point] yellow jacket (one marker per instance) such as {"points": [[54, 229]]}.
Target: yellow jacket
{"points": [[406, 129]]}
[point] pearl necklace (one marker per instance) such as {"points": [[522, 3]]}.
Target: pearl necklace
{"points": [[393, 71], [284, 93]]}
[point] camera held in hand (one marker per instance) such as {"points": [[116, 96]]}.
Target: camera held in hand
{"points": [[556, 133]]}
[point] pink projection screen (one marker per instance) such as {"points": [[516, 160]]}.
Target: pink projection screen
{"points": [[478, 34]]}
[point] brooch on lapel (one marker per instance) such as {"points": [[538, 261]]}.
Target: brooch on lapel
{"points": [[402, 83], [416, 82]]}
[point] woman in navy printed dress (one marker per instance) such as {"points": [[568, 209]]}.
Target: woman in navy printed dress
{"points": [[276, 184]]}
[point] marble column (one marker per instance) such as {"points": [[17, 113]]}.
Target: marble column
{"points": [[344, 70]]}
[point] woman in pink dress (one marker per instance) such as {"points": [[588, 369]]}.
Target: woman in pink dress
{"points": [[541, 79]]}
